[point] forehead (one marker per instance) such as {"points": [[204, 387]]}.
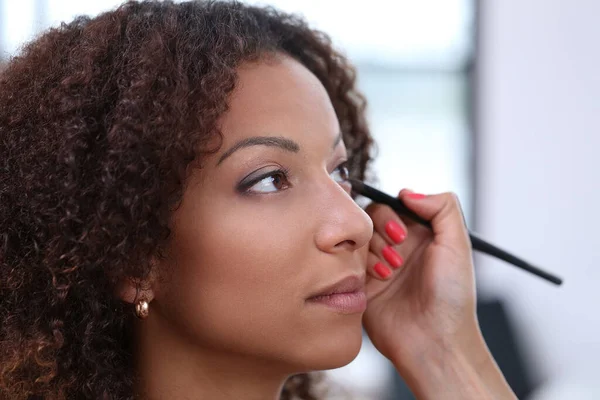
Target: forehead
{"points": [[279, 97]]}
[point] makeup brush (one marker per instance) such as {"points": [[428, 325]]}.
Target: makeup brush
{"points": [[476, 242]]}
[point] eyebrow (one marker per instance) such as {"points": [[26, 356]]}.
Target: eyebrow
{"points": [[271, 141]]}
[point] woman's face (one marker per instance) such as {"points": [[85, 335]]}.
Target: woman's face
{"points": [[266, 224]]}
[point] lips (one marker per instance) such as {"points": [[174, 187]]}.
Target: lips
{"points": [[346, 296], [349, 284]]}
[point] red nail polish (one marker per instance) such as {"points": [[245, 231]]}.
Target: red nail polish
{"points": [[392, 257], [395, 231], [382, 270], [416, 196]]}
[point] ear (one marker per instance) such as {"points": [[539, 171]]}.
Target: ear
{"points": [[131, 290]]}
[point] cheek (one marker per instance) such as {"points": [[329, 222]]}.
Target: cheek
{"points": [[245, 251], [239, 282], [236, 272]]}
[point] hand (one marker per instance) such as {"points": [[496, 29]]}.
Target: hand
{"points": [[431, 295], [421, 292]]}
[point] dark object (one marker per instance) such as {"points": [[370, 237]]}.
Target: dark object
{"points": [[477, 243], [504, 344]]}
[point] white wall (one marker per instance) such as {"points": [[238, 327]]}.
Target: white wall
{"points": [[539, 175]]}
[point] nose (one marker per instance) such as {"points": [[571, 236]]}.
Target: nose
{"points": [[343, 225]]}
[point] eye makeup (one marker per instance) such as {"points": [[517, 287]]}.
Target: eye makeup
{"points": [[280, 176]]}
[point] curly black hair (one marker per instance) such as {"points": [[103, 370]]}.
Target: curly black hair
{"points": [[99, 119]]}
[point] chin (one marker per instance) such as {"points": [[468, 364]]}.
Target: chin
{"points": [[331, 348]]}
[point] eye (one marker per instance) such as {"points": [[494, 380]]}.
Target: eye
{"points": [[269, 182], [341, 174], [275, 181]]}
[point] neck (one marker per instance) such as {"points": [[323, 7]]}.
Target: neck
{"points": [[171, 368]]}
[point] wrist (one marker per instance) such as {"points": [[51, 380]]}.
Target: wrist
{"points": [[452, 368]]}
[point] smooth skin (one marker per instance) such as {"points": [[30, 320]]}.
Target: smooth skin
{"points": [[422, 316], [266, 223]]}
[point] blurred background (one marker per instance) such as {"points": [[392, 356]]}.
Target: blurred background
{"points": [[495, 100]]}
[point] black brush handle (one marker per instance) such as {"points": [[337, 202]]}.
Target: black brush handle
{"points": [[477, 243]]}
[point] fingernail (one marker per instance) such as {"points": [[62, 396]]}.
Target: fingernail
{"points": [[382, 270], [395, 231], [392, 257], [416, 196]]}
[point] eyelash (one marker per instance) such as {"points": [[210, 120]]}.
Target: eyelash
{"points": [[244, 187]]}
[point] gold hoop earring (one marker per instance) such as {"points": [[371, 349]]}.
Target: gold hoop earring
{"points": [[141, 309]]}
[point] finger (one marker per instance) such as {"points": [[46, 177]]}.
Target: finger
{"points": [[387, 223], [377, 269], [443, 211], [385, 251]]}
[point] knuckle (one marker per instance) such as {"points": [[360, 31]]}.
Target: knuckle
{"points": [[370, 208], [452, 199], [453, 205], [372, 258], [378, 211]]}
